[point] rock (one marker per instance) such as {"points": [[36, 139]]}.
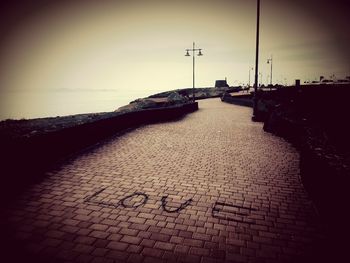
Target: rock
{"points": [[176, 98]]}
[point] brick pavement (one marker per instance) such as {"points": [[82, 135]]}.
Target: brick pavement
{"points": [[211, 187]]}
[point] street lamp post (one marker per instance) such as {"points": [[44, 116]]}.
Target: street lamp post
{"points": [[269, 61], [193, 65], [255, 108], [250, 68], [260, 74]]}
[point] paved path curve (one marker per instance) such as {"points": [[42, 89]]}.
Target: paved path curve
{"points": [[210, 187]]}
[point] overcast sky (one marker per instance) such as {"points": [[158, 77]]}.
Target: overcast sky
{"points": [[140, 45]]}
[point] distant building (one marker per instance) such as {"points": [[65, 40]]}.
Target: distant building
{"points": [[221, 83]]}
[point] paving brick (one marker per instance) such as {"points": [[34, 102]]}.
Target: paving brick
{"points": [[181, 249], [188, 258], [137, 220], [129, 232], [113, 229], [84, 224], [117, 255], [170, 232], [83, 211], [85, 240], [154, 229], [99, 227], [101, 243], [115, 237], [152, 252], [71, 222], [134, 249], [194, 242], [99, 252], [187, 234], [131, 239], [82, 248], [212, 232], [147, 243], [117, 245], [146, 215], [135, 258], [84, 258], [200, 251], [144, 234], [160, 237], [99, 234], [55, 234], [139, 226], [52, 242], [108, 222], [70, 229], [236, 257], [164, 245], [237, 242], [201, 236], [68, 255]]}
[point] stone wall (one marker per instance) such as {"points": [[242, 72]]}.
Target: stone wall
{"points": [[314, 119], [242, 100], [25, 159]]}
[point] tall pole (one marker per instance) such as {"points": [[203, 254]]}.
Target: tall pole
{"points": [[271, 72], [255, 110], [260, 78], [249, 79], [193, 65], [193, 73], [269, 61], [250, 68]]}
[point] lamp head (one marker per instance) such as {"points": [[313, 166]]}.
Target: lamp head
{"points": [[187, 54], [200, 53]]}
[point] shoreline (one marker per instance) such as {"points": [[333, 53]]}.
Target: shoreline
{"points": [[62, 103]]}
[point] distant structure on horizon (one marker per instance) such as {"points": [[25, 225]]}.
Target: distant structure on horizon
{"points": [[332, 80], [221, 83]]}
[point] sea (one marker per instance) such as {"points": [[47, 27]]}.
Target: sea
{"points": [[40, 104]]}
